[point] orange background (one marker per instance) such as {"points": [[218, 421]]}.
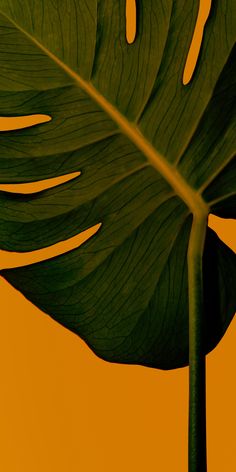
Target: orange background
{"points": [[63, 409]]}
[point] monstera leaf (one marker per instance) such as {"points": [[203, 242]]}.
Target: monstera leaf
{"points": [[148, 153]]}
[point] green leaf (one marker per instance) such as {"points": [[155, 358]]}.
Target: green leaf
{"points": [[151, 152]]}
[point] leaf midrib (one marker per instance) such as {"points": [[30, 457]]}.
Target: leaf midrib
{"points": [[190, 197]]}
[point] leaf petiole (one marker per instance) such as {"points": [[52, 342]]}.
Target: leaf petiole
{"points": [[197, 371]]}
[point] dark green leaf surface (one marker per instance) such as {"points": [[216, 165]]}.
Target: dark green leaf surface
{"points": [[124, 291]]}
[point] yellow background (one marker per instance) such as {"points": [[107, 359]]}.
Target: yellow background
{"points": [[63, 409]]}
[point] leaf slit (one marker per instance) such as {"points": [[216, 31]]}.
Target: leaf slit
{"points": [[12, 123], [197, 40], [131, 21], [10, 260], [39, 186]]}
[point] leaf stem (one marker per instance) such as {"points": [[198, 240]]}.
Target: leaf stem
{"points": [[197, 371]]}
